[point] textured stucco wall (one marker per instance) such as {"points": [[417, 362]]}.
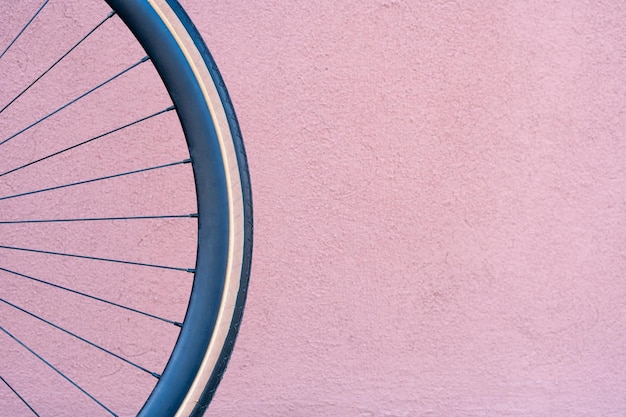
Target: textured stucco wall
{"points": [[439, 207], [439, 195]]}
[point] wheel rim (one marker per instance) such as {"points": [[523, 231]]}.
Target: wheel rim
{"points": [[224, 212]]}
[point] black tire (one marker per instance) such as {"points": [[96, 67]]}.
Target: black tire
{"points": [[212, 321]]}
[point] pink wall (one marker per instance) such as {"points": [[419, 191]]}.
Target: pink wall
{"points": [[439, 195], [439, 207]]}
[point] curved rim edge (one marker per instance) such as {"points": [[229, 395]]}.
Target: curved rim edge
{"points": [[224, 204], [201, 391]]}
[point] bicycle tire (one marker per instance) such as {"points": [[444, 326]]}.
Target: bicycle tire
{"points": [[224, 205]]}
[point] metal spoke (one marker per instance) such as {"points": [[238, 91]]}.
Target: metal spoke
{"points": [[82, 339], [69, 103], [19, 396], [102, 300], [96, 219], [57, 370], [88, 141], [95, 258], [23, 29], [111, 14], [186, 161]]}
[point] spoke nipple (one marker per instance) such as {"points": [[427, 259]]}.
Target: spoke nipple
{"points": [[170, 108], [187, 161], [195, 215], [154, 374], [191, 270], [177, 324], [145, 58], [111, 14]]}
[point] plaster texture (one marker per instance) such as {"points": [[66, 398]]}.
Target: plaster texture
{"points": [[439, 198], [439, 207]]}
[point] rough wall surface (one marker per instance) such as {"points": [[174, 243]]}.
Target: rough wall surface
{"points": [[439, 194]]}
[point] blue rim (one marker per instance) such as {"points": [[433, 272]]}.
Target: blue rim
{"points": [[212, 200]]}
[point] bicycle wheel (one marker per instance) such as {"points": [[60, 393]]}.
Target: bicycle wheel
{"points": [[59, 205]]}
